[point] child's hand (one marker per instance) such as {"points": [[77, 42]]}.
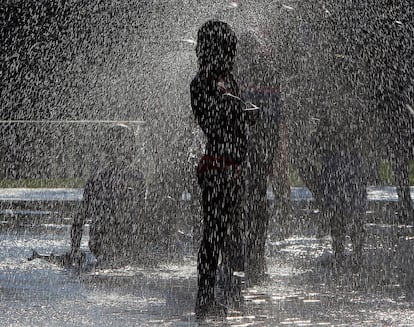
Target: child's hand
{"points": [[222, 87], [224, 83]]}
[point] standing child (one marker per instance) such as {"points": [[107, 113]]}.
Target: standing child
{"points": [[220, 114], [267, 158]]}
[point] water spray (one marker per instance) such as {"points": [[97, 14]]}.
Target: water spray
{"points": [[84, 121]]}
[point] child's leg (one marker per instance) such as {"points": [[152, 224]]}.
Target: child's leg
{"points": [[338, 236], [358, 237]]}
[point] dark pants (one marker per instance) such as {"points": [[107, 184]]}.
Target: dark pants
{"points": [[345, 210], [256, 226], [339, 222], [223, 228]]}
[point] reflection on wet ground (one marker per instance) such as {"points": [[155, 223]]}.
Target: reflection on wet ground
{"points": [[302, 289]]}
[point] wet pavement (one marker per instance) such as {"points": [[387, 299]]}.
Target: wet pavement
{"points": [[382, 193], [302, 289]]}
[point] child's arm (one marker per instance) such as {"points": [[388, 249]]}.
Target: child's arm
{"points": [[76, 236]]}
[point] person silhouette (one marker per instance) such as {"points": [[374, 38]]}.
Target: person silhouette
{"points": [[220, 112], [267, 156], [114, 202]]}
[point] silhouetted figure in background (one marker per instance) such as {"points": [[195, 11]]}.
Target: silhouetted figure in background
{"points": [[220, 114], [266, 163], [114, 200], [388, 52], [343, 181], [395, 104]]}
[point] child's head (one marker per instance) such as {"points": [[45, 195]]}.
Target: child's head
{"points": [[216, 46], [119, 143]]}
